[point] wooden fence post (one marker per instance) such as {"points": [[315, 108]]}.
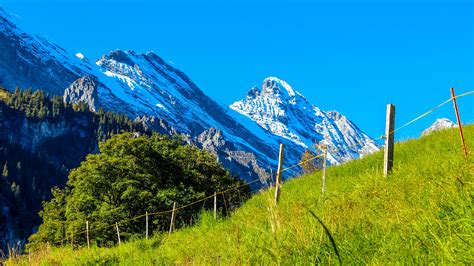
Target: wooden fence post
{"points": [[87, 234], [278, 176], [118, 233], [173, 218], [389, 140], [215, 205], [459, 122], [146, 224], [323, 189]]}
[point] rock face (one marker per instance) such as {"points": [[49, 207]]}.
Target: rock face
{"points": [[82, 90], [39, 153], [211, 139], [439, 124]]}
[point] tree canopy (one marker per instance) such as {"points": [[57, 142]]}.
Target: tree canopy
{"points": [[130, 176]]}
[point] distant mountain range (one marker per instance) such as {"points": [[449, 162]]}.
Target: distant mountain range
{"points": [[244, 136]]}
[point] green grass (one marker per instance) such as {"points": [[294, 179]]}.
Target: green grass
{"points": [[423, 213]]}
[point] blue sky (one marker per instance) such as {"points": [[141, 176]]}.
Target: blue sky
{"points": [[351, 56]]}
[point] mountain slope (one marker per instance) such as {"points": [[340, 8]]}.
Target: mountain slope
{"points": [[142, 86], [146, 88], [421, 214], [31, 61]]}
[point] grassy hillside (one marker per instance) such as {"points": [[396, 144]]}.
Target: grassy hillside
{"points": [[423, 213]]}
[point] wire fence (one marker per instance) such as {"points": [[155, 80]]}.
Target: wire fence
{"points": [[66, 239], [244, 184], [426, 113]]}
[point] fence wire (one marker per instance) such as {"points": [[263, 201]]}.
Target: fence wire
{"points": [[426, 113]]}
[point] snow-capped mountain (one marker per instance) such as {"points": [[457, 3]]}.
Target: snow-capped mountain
{"points": [[245, 137], [439, 124], [143, 86], [284, 112], [31, 61]]}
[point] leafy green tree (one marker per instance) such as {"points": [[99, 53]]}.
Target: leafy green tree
{"points": [[133, 175]]}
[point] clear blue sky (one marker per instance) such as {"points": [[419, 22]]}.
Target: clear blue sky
{"points": [[351, 56]]}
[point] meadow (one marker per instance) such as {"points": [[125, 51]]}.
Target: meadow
{"points": [[422, 213]]}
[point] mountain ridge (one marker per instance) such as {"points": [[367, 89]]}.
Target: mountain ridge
{"points": [[147, 88]]}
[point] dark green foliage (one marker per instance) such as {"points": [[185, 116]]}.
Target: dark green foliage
{"points": [[5, 170], [29, 173], [37, 106], [26, 181], [133, 175]]}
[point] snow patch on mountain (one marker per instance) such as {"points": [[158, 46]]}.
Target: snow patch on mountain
{"points": [[439, 124], [80, 56]]}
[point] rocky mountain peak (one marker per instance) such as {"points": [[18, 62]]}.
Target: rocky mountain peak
{"points": [[284, 112], [275, 87], [278, 90], [118, 56], [335, 115], [439, 124], [83, 90]]}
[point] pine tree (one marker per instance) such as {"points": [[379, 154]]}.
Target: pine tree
{"points": [[15, 189], [17, 98], [5, 170]]}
